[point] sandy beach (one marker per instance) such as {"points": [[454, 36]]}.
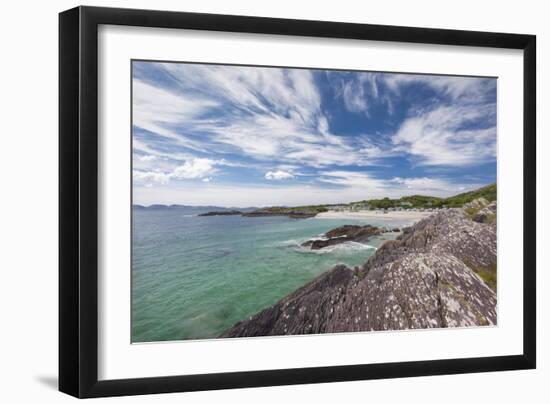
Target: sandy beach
{"points": [[406, 216]]}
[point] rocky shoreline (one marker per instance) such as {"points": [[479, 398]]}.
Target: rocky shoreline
{"points": [[343, 234], [440, 272]]}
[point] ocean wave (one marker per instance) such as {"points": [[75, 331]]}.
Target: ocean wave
{"points": [[348, 246], [288, 243]]}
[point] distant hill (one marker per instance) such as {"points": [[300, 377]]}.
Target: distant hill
{"points": [[488, 192], [188, 208]]}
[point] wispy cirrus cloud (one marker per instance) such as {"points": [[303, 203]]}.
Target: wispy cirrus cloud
{"points": [[372, 185], [455, 88], [454, 135], [268, 114], [360, 90], [158, 110], [452, 123], [356, 90], [359, 133]]}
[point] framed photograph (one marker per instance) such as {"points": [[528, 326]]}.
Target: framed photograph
{"points": [[251, 201]]}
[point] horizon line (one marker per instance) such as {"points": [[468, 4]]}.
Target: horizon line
{"points": [[306, 204]]}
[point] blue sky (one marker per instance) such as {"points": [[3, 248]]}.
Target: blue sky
{"points": [[255, 136]]}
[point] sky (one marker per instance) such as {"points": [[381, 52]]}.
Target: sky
{"points": [[245, 136]]}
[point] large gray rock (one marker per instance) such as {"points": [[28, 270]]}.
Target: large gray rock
{"points": [[424, 279]]}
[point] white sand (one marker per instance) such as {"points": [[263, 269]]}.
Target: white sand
{"points": [[406, 216]]}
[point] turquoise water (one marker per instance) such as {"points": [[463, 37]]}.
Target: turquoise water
{"points": [[194, 277]]}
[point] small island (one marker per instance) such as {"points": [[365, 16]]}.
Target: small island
{"points": [[222, 213], [298, 212]]}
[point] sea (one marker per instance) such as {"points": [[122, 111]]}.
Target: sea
{"points": [[194, 276]]}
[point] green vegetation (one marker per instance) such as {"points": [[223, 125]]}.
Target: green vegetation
{"points": [[413, 201], [488, 192], [491, 218], [297, 212], [283, 210], [359, 273], [471, 212], [488, 274]]}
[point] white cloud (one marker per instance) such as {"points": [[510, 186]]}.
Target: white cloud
{"points": [[353, 95], [375, 187], [148, 178], [194, 168], [353, 179], [362, 90], [443, 136], [357, 91], [425, 185], [466, 89], [275, 117], [156, 109], [268, 114], [147, 158], [278, 175]]}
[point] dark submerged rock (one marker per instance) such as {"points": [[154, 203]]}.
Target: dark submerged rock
{"points": [[343, 234]]}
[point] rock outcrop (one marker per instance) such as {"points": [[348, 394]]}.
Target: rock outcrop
{"points": [[294, 213], [222, 213], [342, 234], [486, 214], [426, 278]]}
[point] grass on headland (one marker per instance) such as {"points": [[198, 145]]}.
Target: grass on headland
{"points": [[488, 274], [471, 212], [488, 192]]}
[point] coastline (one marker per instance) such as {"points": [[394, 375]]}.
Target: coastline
{"points": [[413, 216], [439, 273], [346, 258]]}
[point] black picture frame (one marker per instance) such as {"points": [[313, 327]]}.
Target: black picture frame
{"points": [[78, 201]]}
